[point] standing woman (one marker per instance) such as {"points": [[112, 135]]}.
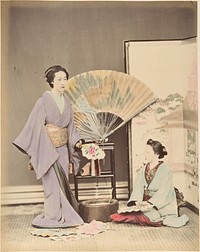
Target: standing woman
{"points": [[50, 138], [153, 193]]}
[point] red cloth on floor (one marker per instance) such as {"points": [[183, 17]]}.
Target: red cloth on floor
{"points": [[134, 218]]}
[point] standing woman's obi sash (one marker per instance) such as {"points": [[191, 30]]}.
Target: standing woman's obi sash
{"points": [[57, 135]]}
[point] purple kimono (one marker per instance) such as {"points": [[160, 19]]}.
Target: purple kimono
{"points": [[34, 141]]}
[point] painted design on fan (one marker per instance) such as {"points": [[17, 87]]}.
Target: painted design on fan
{"points": [[104, 100]]}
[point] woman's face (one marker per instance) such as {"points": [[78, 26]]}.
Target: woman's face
{"points": [[59, 82], [149, 154]]}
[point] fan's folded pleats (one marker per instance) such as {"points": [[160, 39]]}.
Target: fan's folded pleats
{"points": [[104, 100]]}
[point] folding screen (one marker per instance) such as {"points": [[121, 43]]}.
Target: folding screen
{"points": [[169, 69]]}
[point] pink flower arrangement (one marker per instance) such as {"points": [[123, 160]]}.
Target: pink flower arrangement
{"points": [[92, 151]]}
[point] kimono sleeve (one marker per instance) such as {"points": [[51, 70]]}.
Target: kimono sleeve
{"points": [[138, 187], [165, 193], [34, 141], [73, 138]]}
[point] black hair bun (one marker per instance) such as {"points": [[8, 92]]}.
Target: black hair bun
{"points": [[163, 152]]}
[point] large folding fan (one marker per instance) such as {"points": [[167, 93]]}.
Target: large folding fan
{"points": [[104, 100]]}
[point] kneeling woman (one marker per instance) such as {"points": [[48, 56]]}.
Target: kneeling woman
{"points": [[153, 194]]}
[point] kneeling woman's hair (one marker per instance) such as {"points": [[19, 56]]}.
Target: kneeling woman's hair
{"points": [[158, 148]]}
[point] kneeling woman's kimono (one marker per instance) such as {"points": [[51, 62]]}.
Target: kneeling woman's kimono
{"points": [[156, 187], [50, 162]]}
